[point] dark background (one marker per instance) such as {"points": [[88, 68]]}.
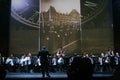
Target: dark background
{"points": [[116, 21], [5, 18], [4, 26]]}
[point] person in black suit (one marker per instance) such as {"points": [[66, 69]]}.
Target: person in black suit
{"points": [[81, 69], [43, 55]]}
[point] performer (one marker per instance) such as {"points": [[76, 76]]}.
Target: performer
{"points": [[110, 52], [60, 52], [44, 54]]}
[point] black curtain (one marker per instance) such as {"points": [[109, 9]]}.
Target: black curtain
{"points": [[4, 26], [116, 24]]}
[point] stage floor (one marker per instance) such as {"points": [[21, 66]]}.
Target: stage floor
{"points": [[60, 75]]}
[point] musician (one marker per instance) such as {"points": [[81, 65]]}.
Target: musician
{"points": [[60, 52], [29, 62], [23, 63], [60, 63], [9, 63], [54, 63], [101, 61]]}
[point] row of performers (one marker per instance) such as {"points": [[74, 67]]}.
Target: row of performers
{"points": [[99, 62]]}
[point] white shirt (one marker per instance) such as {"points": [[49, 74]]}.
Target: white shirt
{"points": [[28, 59], [60, 60], [54, 61], [38, 62], [23, 61], [9, 61]]}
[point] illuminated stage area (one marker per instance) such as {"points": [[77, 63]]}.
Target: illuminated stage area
{"points": [[83, 28], [54, 76]]}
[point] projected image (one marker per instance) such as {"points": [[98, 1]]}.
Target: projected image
{"points": [[24, 26], [26, 11], [60, 23], [75, 25], [56, 27]]}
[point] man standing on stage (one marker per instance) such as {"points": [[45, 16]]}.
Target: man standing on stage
{"points": [[43, 55]]}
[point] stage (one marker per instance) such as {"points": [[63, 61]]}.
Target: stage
{"points": [[58, 75]]}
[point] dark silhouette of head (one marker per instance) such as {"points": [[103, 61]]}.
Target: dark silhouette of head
{"points": [[80, 69], [43, 47]]}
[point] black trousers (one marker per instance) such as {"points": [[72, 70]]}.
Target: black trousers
{"points": [[44, 68]]}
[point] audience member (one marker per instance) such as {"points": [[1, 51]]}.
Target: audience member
{"points": [[80, 69]]}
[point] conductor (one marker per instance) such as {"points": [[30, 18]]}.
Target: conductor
{"points": [[43, 55]]}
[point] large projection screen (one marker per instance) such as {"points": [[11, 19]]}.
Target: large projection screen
{"points": [[75, 25]]}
